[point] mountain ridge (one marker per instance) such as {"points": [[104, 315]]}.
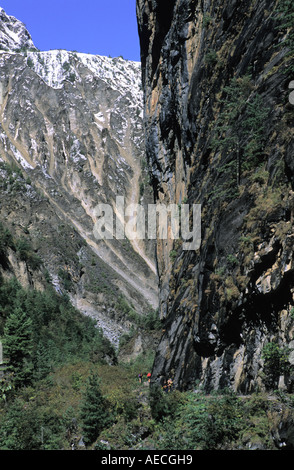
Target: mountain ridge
{"points": [[14, 34], [72, 124]]}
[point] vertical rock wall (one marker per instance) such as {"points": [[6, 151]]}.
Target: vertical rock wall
{"points": [[219, 132]]}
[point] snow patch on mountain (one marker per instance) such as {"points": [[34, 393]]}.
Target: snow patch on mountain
{"points": [[57, 66], [13, 34], [20, 158]]}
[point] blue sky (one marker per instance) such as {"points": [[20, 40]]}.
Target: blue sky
{"points": [[104, 27]]}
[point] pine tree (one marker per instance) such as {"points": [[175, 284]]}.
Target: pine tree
{"points": [[285, 17], [276, 363], [18, 345], [42, 362], [95, 414], [228, 131], [20, 427], [285, 9], [240, 130]]}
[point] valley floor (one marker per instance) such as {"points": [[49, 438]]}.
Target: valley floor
{"points": [[47, 415]]}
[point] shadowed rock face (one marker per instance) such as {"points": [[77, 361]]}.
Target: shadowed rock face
{"points": [[219, 132], [71, 137]]}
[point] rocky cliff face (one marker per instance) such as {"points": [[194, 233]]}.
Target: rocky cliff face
{"points": [[219, 132], [71, 137], [14, 35]]}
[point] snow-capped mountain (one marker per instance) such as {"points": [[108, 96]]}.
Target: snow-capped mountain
{"points": [[72, 124], [55, 66], [13, 34]]}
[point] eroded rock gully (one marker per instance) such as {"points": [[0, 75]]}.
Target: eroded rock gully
{"points": [[201, 61], [71, 137]]}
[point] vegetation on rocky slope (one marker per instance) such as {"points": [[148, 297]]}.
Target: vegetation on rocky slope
{"points": [[63, 385], [58, 413]]}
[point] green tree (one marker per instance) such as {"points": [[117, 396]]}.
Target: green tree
{"points": [[253, 128], [163, 405], [222, 423], [23, 248], [95, 413], [20, 428], [6, 239], [18, 345], [42, 362], [239, 131], [158, 402], [209, 423], [285, 9], [228, 131], [275, 363], [5, 386], [26, 253]]}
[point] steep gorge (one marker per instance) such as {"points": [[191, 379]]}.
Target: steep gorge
{"points": [[219, 132]]}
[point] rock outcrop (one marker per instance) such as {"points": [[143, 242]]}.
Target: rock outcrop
{"points": [[71, 137], [219, 132], [14, 35]]}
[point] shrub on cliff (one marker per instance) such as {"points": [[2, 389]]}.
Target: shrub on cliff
{"points": [[285, 11], [275, 363]]}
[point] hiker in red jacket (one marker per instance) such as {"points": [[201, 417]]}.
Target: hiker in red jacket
{"points": [[148, 376]]}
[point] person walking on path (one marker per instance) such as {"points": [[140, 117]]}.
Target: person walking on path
{"points": [[169, 384]]}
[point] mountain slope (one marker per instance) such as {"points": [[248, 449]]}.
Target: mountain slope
{"points": [[14, 35], [71, 137]]}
